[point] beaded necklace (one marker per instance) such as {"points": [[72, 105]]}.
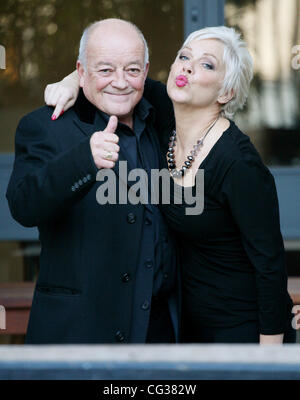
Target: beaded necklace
{"points": [[177, 173]]}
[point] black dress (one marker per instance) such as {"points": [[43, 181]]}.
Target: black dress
{"points": [[232, 254], [234, 281]]}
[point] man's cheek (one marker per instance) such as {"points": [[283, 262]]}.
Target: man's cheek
{"points": [[81, 82], [100, 84], [137, 84]]}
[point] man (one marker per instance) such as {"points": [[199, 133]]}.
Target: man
{"points": [[107, 272]]}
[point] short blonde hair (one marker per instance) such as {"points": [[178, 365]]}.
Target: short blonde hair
{"points": [[238, 63]]}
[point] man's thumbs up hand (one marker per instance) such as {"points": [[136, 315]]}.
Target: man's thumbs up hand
{"points": [[104, 146], [112, 125]]}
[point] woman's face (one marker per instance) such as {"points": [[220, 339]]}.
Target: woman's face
{"points": [[197, 74]]}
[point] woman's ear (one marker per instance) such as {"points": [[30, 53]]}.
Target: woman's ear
{"points": [[226, 97]]}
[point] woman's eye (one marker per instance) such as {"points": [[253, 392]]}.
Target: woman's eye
{"points": [[208, 66], [183, 57]]}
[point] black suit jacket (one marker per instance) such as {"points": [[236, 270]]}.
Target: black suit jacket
{"points": [[81, 295]]}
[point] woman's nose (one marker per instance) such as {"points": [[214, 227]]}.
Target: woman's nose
{"points": [[187, 69]]}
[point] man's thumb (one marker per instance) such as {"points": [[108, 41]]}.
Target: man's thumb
{"points": [[112, 124]]}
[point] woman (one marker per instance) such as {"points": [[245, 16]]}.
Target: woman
{"points": [[232, 254]]}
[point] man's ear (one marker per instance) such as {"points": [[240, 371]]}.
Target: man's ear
{"points": [[226, 97], [146, 70], [81, 73]]}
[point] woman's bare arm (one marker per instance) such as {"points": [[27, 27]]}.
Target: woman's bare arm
{"points": [[63, 94], [271, 339]]}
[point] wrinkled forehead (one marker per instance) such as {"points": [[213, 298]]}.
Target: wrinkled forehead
{"points": [[116, 45]]}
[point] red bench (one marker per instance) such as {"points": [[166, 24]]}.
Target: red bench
{"points": [[17, 299]]}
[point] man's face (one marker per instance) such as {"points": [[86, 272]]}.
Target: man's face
{"points": [[114, 77]]}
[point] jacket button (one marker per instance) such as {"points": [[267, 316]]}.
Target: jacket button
{"points": [[76, 185], [120, 336], [145, 305], [73, 188], [84, 179], [131, 218], [148, 263], [88, 177], [125, 277], [80, 182]]}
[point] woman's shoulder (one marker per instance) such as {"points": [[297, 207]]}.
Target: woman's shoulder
{"points": [[241, 154], [238, 148]]}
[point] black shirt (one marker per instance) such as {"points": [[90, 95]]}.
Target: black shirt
{"points": [[156, 269], [232, 254]]}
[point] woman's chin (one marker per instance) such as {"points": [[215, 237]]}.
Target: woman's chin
{"points": [[179, 98], [177, 94]]}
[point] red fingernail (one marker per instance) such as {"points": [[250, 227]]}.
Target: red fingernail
{"points": [[61, 113], [53, 117]]}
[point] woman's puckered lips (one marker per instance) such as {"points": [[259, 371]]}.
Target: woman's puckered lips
{"points": [[181, 80]]}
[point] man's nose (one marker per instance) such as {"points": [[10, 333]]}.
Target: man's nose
{"points": [[119, 80]]}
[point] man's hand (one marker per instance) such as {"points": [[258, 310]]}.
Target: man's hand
{"points": [[62, 95], [104, 144]]}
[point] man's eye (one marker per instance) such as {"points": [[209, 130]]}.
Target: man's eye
{"points": [[105, 71], [134, 70]]}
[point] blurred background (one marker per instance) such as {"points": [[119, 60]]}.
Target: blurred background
{"points": [[41, 40]]}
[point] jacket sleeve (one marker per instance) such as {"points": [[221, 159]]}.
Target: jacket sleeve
{"points": [[46, 181], [251, 195], [156, 93]]}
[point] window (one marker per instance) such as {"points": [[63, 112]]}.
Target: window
{"points": [[272, 116]]}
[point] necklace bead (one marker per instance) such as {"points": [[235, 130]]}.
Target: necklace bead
{"points": [[190, 158]]}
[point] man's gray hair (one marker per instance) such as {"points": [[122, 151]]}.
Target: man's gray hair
{"points": [[89, 29], [238, 63]]}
